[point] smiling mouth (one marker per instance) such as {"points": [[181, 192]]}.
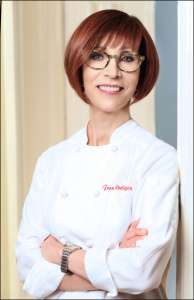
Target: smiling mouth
{"points": [[110, 89]]}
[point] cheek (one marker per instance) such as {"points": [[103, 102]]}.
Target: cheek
{"points": [[89, 78], [89, 83], [132, 81]]}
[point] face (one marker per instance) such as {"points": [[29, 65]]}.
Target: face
{"points": [[110, 89]]}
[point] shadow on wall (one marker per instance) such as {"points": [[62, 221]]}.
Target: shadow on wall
{"points": [[166, 92], [166, 88]]}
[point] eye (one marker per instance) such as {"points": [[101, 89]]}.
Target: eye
{"points": [[127, 58], [96, 55]]}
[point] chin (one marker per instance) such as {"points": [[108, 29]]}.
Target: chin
{"points": [[108, 108], [111, 106]]}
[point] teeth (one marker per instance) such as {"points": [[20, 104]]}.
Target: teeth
{"points": [[109, 88]]}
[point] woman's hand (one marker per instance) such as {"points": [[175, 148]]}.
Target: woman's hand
{"points": [[133, 235], [52, 249]]}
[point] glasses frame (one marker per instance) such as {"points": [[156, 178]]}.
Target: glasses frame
{"points": [[141, 57]]}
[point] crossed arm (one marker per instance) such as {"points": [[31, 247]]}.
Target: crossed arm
{"points": [[51, 250]]}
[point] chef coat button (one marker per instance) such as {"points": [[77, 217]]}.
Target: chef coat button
{"points": [[114, 148], [97, 194], [64, 194]]}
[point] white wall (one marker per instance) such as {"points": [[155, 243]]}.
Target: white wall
{"points": [[185, 149]]}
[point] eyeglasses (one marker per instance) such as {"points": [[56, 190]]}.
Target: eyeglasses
{"points": [[126, 61]]}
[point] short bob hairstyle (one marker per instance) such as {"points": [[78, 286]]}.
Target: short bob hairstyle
{"points": [[117, 28]]}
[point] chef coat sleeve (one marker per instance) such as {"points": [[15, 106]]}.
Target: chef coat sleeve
{"points": [[140, 269], [39, 276]]}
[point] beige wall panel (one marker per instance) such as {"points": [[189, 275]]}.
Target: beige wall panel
{"points": [[40, 48], [77, 110], [9, 155], [34, 109]]}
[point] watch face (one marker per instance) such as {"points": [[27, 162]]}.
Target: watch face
{"points": [[71, 247]]}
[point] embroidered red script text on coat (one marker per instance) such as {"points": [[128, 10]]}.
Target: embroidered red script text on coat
{"points": [[117, 187]]}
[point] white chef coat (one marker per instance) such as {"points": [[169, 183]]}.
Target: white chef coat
{"points": [[88, 195]]}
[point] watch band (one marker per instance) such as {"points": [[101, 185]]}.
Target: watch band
{"points": [[68, 249]]}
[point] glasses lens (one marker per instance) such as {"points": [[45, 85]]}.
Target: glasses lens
{"points": [[97, 60], [129, 62]]}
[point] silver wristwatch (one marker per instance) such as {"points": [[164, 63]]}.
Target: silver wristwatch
{"points": [[68, 249]]}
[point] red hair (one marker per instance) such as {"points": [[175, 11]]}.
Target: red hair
{"points": [[118, 27]]}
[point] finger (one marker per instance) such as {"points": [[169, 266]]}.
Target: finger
{"points": [[136, 231], [137, 238], [134, 224], [127, 244], [133, 238], [130, 234], [132, 242], [141, 231]]}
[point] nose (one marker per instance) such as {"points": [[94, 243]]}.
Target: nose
{"points": [[112, 69]]}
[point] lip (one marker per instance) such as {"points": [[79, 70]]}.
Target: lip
{"points": [[110, 92]]}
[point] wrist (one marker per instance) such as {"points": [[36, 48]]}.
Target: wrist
{"points": [[76, 263], [67, 251], [74, 258]]}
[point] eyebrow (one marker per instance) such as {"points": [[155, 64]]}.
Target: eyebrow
{"points": [[122, 49], [103, 47]]}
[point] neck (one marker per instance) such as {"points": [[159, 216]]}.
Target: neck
{"points": [[101, 125]]}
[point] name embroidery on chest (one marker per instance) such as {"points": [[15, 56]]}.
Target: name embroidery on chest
{"points": [[117, 187]]}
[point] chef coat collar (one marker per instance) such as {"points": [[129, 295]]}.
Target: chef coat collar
{"points": [[121, 132]]}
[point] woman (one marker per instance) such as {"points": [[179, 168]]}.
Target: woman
{"points": [[101, 215]]}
